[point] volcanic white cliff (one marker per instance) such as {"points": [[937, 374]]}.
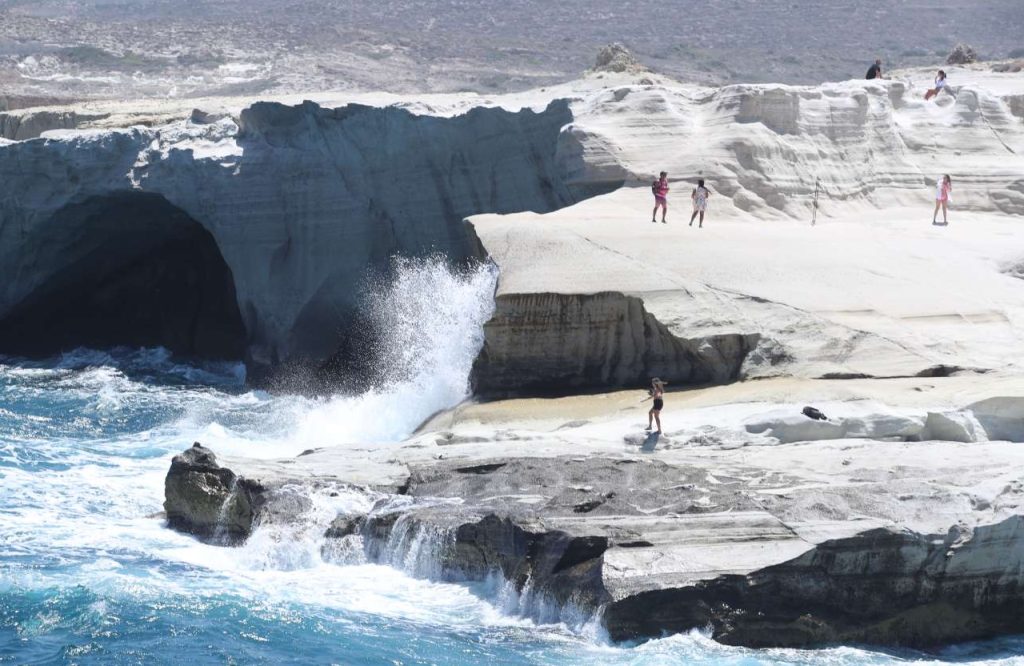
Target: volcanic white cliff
{"points": [[595, 294], [302, 203]]}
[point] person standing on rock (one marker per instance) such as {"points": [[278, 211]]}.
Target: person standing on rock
{"points": [[875, 71], [657, 392], [940, 84], [700, 196], [660, 190], [943, 187]]}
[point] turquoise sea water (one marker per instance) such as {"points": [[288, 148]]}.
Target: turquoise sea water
{"points": [[90, 575]]}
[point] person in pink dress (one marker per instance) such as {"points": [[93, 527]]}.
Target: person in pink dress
{"points": [[942, 194], [660, 190]]}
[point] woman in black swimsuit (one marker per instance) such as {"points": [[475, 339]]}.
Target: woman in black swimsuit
{"points": [[657, 391]]}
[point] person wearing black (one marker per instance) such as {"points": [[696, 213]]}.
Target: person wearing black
{"points": [[657, 393], [875, 71]]}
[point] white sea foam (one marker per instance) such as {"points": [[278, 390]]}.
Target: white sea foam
{"points": [[431, 324], [108, 475]]}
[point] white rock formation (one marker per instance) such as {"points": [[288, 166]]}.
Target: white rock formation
{"points": [[787, 427], [302, 201], [1001, 417], [872, 290], [953, 427]]}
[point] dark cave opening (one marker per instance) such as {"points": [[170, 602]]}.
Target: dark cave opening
{"points": [[134, 270]]}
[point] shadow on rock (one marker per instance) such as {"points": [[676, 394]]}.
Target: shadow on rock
{"points": [[651, 442]]}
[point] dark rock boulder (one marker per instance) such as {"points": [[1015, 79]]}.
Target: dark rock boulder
{"points": [[200, 117], [344, 525], [207, 500], [962, 54], [615, 57], [561, 567]]}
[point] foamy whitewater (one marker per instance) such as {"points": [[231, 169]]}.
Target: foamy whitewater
{"points": [[89, 574]]}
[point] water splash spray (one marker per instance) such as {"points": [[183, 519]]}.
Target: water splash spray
{"points": [[428, 323]]}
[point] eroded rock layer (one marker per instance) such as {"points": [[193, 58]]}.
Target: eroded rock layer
{"points": [[655, 547], [560, 343]]}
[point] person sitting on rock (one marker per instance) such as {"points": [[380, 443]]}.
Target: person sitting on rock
{"points": [[940, 84], [657, 392], [700, 196], [875, 71], [660, 190]]}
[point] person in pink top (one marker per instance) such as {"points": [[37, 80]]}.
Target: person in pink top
{"points": [[660, 190], [942, 189]]}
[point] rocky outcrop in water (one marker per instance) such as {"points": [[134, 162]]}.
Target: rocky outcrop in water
{"points": [[762, 558], [883, 587], [207, 500]]}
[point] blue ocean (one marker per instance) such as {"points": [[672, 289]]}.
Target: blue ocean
{"points": [[89, 574]]}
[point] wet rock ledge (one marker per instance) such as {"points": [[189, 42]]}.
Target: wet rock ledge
{"points": [[657, 548]]}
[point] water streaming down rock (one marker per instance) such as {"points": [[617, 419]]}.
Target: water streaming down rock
{"points": [[221, 534], [290, 534], [540, 607], [304, 526], [420, 549], [393, 533]]}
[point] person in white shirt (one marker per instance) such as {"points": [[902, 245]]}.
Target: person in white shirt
{"points": [[940, 83], [700, 196]]}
